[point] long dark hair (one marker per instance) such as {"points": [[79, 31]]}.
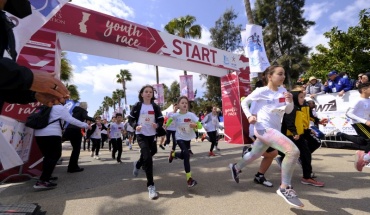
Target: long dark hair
{"points": [[142, 90]]}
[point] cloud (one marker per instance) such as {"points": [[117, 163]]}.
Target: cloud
{"points": [[314, 38], [314, 11], [115, 8], [349, 15], [206, 36], [82, 57]]}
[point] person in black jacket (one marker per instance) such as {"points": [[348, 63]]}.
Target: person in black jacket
{"points": [[74, 135], [146, 117], [18, 84], [95, 136]]}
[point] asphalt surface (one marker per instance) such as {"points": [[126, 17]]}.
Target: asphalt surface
{"points": [[106, 187]]}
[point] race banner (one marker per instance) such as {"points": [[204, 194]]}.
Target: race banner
{"points": [[334, 108], [186, 86], [42, 11], [254, 48], [158, 94]]}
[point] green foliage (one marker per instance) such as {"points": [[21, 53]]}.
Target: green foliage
{"points": [[347, 51], [283, 27], [73, 92], [124, 76]]}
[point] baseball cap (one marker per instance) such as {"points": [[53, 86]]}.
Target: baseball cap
{"points": [[312, 78], [333, 72]]}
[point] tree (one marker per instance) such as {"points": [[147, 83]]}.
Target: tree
{"points": [[66, 74], [248, 10], [284, 27], [226, 36], [172, 94], [123, 76], [347, 51], [184, 27], [99, 112]]}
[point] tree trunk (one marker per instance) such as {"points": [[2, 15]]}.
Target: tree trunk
{"points": [[248, 10], [157, 74]]}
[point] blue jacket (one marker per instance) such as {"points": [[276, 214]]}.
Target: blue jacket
{"points": [[339, 83]]}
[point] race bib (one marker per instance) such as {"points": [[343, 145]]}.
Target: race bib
{"points": [[146, 119]]}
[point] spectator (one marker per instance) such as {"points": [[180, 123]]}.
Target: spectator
{"points": [[358, 80], [365, 77], [19, 84], [314, 87], [337, 84]]}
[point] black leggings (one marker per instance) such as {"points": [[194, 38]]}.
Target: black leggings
{"points": [[95, 146], [74, 136], [117, 147], [184, 154], [148, 148], [212, 135], [168, 136], [51, 149], [363, 137]]}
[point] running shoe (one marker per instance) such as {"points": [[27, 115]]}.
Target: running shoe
{"points": [[152, 192], [170, 158], [192, 182], [135, 171], [44, 185], [162, 147], [262, 180], [234, 172], [313, 182], [211, 154], [359, 160], [289, 195]]}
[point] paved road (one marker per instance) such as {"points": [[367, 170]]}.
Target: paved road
{"points": [[109, 188]]}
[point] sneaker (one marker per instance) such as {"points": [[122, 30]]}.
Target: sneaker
{"points": [[92, 154], [359, 160], [262, 180], [211, 154], [97, 157], [53, 178], [170, 158], [192, 182], [119, 162], [44, 185], [162, 147], [152, 193], [290, 196], [234, 172], [135, 171], [218, 149], [279, 160], [313, 182]]}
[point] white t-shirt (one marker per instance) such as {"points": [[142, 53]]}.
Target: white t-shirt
{"points": [[54, 129], [105, 131], [129, 128], [146, 119], [172, 126], [183, 130], [270, 107], [211, 122], [359, 111], [116, 130], [97, 132]]}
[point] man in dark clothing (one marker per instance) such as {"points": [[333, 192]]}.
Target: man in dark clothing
{"points": [[74, 135], [19, 84]]}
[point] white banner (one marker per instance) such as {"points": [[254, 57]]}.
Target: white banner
{"points": [[15, 142], [334, 108], [254, 48], [42, 11]]}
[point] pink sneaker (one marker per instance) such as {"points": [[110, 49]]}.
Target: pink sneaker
{"points": [[359, 160]]}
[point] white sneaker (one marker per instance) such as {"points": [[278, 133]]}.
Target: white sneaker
{"points": [[152, 192], [97, 157]]}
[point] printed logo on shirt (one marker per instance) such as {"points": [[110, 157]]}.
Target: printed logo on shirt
{"points": [[151, 112], [281, 100], [187, 120]]}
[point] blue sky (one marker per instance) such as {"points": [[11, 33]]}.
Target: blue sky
{"points": [[95, 75]]}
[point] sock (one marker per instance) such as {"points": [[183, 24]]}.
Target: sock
{"points": [[188, 175], [259, 174], [367, 156]]}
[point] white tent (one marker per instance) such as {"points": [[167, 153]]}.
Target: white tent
{"points": [[169, 109]]}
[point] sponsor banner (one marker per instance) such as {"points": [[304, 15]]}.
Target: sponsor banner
{"points": [[334, 108], [233, 87], [158, 94], [186, 86], [15, 142], [42, 11], [254, 48]]}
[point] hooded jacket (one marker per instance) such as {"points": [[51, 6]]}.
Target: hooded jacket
{"points": [[298, 120]]}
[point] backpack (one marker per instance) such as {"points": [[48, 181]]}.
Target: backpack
{"points": [[39, 118]]}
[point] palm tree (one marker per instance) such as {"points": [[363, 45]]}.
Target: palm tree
{"points": [[117, 96], [183, 27], [123, 76], [248, 10], [66, 74]]}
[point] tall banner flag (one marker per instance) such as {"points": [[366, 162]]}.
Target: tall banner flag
{"points": [[159, 94], [186, 86], [42, 11], [254, 48]]}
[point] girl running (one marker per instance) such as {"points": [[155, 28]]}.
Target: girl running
{"points": [[271, 101], [186, 122]]}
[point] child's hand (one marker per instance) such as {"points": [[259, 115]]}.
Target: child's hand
{"points": [[138, 128], [368, 123], [288, 97], [154, 125], [252, 119], [296, 137], [192, 125]]}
